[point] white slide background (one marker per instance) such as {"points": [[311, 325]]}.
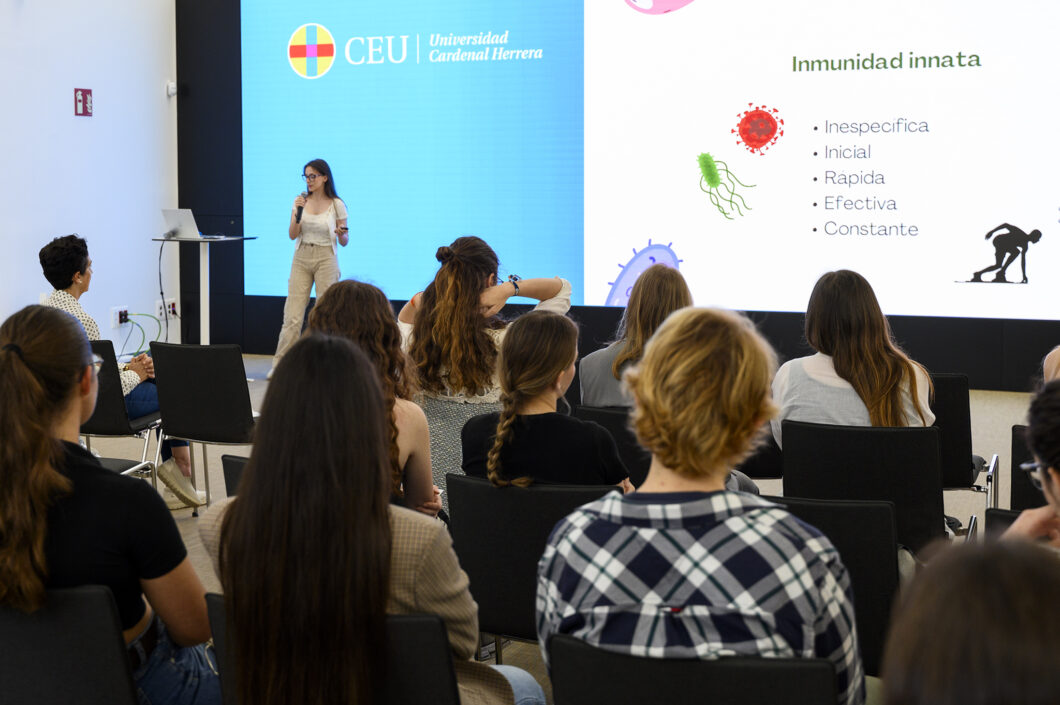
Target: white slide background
{"points": [[661, 89]]}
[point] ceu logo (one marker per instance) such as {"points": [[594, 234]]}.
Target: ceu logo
{"points": [[311, 50]]}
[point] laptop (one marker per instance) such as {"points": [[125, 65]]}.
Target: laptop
{"points": [[180, 223]]}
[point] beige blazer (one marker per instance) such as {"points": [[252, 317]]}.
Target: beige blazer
{"points": [[425, 577]]}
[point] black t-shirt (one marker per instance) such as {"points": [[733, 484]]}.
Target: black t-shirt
{"points": [[551, 448], [110, 530]]}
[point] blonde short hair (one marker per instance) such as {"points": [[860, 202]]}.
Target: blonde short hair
{"points": [[702, 390]]}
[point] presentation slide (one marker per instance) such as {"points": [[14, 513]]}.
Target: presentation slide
{"points": [[753, 147]]}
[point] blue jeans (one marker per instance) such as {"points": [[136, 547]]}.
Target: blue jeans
{"points": [[175, 675], [525, 688], [143, 400]]}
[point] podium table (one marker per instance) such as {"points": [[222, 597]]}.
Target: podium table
{"points": [[204, 275]]}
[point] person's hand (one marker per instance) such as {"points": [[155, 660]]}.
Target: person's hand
{"points": [[149, 364], [494, 298], [1035, 524], [300, 201], [626, 486], [432, 506], [138, 366]]}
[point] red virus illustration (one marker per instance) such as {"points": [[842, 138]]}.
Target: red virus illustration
{"points": [[758, 128]]}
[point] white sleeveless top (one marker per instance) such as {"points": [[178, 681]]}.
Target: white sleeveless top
{"points": [[319, 228]]}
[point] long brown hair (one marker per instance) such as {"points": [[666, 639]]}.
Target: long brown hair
{"points": [[361, 313], [702, 391], [451, 348], [658, 292], [844, 321], [977, 626], [43, 354], [536, 349], [305, 548]]}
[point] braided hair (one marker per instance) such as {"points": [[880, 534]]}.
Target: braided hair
{"points": [[536, 349]]}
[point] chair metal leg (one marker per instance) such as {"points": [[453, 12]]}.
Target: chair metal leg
{"points": [[497, 639], [191, 456], [88, 443], [206, 473], [158, 459]]}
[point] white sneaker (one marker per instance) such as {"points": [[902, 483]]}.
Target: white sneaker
{"points": [[174, 502], [171, 476]]}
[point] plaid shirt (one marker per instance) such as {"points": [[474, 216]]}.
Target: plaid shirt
{"points": [[699, 575]]}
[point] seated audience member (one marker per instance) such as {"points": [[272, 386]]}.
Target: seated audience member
{"points": [[1051, 365], [528, 440], [68, 268], [452, 333], [658, 292], [1043, 439], [65, 521], [312, 556], [859, 376], [362, 313], [977, 627], [683, 568]]}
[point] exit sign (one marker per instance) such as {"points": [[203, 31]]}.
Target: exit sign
{"points": [[83, 102]]}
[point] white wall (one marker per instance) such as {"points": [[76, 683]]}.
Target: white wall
{"points": [[105, 177]]}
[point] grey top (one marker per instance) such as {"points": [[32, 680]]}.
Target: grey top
{"points": [[808, 389], [599, 386]]}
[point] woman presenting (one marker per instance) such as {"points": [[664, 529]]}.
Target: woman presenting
{"points": [[318, 220]]}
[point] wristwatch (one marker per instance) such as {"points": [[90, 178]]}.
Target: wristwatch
{"points": [[514, 279]]}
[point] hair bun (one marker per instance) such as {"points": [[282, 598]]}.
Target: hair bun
{"points": [[444, 254]]}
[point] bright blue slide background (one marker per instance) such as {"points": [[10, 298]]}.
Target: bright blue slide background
{"points": [[421, 152]]}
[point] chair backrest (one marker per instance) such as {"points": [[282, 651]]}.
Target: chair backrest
{"points": [[110, 417], [898, 465], [997, 521], [203, 393], [616, 420], [863, 533], [499, 534], [586, 675], [69, 651], [766, 463], [1022, 494], [954, 420], [419, 658], [233, 466]]}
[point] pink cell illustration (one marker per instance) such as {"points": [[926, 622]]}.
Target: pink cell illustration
{"points": [[657, 7]]}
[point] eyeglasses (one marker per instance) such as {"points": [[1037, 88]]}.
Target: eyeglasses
{"points": [[310, 177], [1035, 473], [97, 362]]}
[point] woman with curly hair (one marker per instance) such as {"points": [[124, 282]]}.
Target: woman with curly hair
{"points": [[452, 333], [528, 440], [361, 313]]}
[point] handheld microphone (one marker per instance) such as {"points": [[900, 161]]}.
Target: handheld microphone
{"points": [[298, 213]]}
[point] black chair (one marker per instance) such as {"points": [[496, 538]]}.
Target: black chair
{"points": [[616, 420], [997, 521], [1022, 494], [766, 463], [233, 466], [111, 419], [863, 533], [953, 418], [69, 651], [898, 465], [418, 653], [203, 394], [587, 675], [499, 534]]}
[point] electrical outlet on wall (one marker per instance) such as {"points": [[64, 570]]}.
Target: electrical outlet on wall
{"points": [[170, 309], [119, 316]]}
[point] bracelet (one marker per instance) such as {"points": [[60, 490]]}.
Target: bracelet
{"points": [[514, 279]]}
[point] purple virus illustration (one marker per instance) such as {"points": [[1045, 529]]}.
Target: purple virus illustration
{"points": [[631, 271]]}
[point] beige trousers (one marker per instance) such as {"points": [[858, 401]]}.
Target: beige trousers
{"points": [[312, 264]]}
